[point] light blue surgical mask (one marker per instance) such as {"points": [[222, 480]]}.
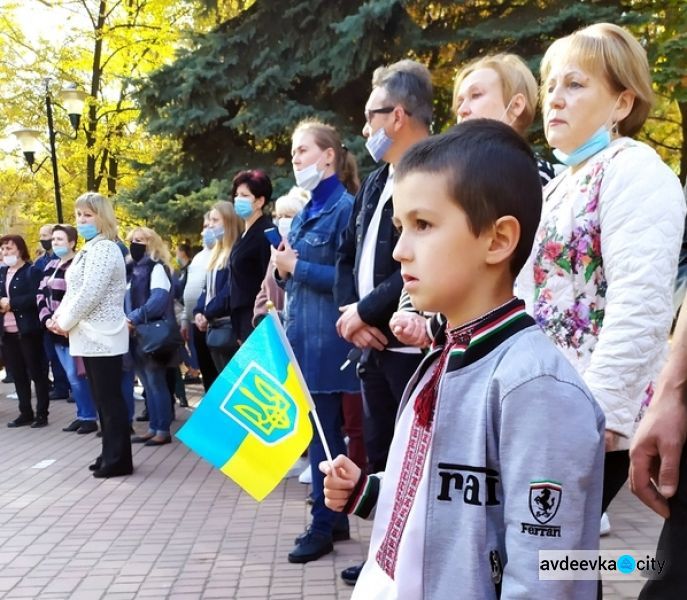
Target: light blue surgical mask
{"points": [[87, 231], [378, 144], [208, 238], [596, 143], [60, 251], [243, 207]]}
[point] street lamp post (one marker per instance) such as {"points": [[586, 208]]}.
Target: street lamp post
{"points": [[73, 101]]}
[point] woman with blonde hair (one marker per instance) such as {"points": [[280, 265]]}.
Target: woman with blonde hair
{"points": [[92, 315], [501, 87], [212, 313], [150, 298], [600, 277], [305, 267]]}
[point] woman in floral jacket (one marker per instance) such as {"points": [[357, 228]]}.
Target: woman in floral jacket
{"points": [[600, 277]]}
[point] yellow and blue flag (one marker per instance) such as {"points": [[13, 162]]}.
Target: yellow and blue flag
{"points": [[253, 422]]}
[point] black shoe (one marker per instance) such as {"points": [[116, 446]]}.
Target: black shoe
{"points": [[105, 472], [39, 422], [99, 434], [339, 534], [153, 442], [8, 379], [350, 575], [71, 400], [87, 427], [73, 426], [57, 395], [143, 416], [183, 402], [312, 547], [141, 439], [97, 464], [20, 420], [309, 500]]}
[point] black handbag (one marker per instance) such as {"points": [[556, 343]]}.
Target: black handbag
{"points": [[220, 335], [159, 339]]}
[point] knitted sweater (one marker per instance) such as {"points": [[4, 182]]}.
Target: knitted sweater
{"points": [[92, 310]]}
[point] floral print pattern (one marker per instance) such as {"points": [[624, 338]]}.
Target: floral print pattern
{"points": [[570, 286]]}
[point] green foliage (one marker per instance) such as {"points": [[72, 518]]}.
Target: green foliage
{"points": [[233, 94]]}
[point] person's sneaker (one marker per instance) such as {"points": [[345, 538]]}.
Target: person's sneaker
{"points": [[339, 534], [305, 476], [73, 426], [313, 546], [87, 427], [39, 422], [351, 574], [605, 525], [12, 396]]}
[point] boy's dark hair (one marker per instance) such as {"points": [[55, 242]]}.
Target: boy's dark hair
{"points": [[490, 172]]}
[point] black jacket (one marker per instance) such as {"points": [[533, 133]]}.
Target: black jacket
{"points": [[377, 307], [22, 295], [248, 263]]}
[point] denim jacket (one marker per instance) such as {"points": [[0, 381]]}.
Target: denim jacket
{"points": [[311, 311]]}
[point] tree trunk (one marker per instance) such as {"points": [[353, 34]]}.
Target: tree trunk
{"points": [[683, 156], [96, 74]]}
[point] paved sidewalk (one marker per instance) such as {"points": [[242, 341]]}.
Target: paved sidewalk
{"points": [[176, 528]]}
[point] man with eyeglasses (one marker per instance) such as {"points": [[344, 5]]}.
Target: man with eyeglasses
{"points": [[368, 282]]}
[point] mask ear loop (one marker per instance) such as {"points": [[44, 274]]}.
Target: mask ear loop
{"points": [[614, 124]]}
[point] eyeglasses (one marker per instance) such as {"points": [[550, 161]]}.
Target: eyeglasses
{"points": [[384, 110]]}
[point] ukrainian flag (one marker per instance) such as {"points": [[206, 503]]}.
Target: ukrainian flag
{"points": [[253, 422]]}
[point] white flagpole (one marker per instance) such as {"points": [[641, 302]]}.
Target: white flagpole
{"points": [[272, 313]]}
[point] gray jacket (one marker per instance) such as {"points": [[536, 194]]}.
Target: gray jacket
{"points": [[515, 466]]}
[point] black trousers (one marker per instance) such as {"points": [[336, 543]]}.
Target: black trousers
{"points": [[616, 471], [383, 377], [672, 547], [205, 362], [104, 378], [25, 356]]}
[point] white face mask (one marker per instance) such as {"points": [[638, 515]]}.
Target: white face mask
{"points": [[10, 260], [308, 178], [284, 226]]}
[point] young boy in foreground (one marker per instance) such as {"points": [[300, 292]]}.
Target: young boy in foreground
{"points": [[498, 446]]}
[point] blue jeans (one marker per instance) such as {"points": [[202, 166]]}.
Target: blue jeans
{"points": [[329, 410], [85, 407], [60, 378], [158, 399]]}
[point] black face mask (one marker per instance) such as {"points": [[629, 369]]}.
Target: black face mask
{"points": [[138, 251], [47, 245]]}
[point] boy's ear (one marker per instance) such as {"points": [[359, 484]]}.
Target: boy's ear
{"points": [[505, 236]]}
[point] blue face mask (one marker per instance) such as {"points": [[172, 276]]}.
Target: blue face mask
{"points": [[378, 144], [87, 231], [596, 143], [243, 207], [208, 238], [60, 251]]}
